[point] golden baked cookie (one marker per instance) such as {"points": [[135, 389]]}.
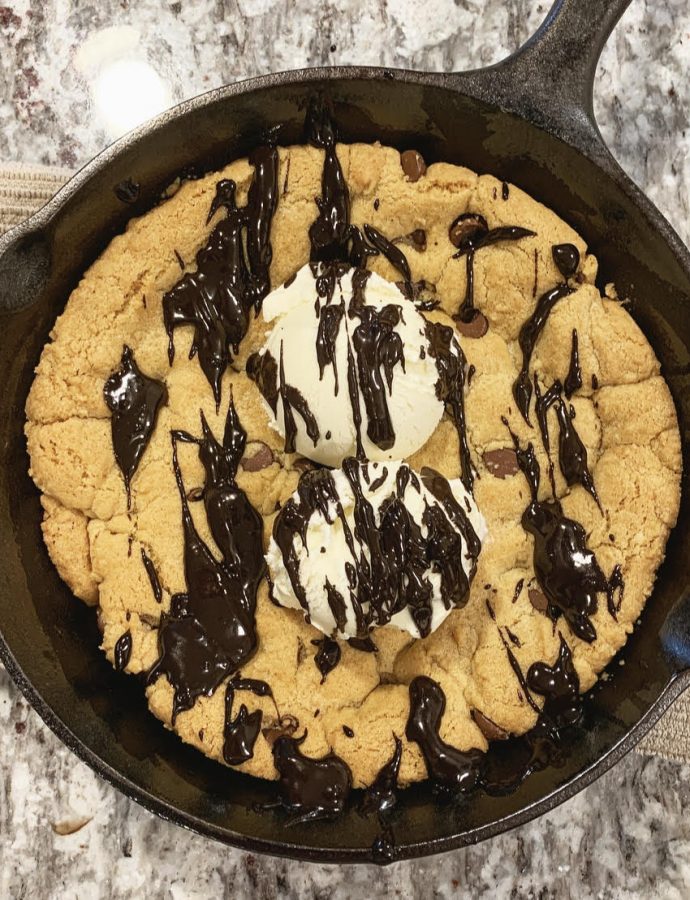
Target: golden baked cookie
{"points": [[128, 556]]}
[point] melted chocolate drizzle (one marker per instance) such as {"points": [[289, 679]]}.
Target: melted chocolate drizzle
{"points": [[560, 686], [471, 233], [387, 248], [152, 575], [380, 797], [294, 401], [379, 349], [228, 282], [616, 583], [572, 453], [573, 380], [567, 259], [364, 645], [134, 399], [451, 366], [529, 335], [312, 788], [450, 768], [392, 558], [330, 232], [567, 571], [327, 657], [123, 650], [518, 758], [240, 733], [210, 630]]}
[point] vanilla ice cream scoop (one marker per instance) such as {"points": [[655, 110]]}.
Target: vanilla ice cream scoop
{"points": [[347, 369], [373, 543]]}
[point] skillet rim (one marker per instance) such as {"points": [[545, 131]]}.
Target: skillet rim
{"points": [[474, 86]]}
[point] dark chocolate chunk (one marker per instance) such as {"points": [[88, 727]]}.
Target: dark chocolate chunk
{"points": [[285, 726], [467, 231]]}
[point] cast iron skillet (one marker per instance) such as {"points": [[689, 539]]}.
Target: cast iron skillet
{"points": [[528, 120]]}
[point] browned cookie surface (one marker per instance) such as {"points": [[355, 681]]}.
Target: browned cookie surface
{"points": [[622, 413]]}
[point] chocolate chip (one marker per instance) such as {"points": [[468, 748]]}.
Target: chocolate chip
{"points": [[261, 457], [538, 600], [467, 231], [475, 328], [490, 730], [501, 463], [413, 164]]}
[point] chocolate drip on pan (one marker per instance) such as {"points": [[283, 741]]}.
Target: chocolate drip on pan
{"points": [[451, 769], [311, 788]]}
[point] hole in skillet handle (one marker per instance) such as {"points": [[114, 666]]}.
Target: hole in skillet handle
{"points": [[24, 268], [675, 634]]}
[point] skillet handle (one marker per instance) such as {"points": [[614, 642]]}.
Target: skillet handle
{"points": [[550, 79]]}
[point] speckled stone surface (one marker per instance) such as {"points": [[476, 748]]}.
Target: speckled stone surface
{"points": [[73, 76]]}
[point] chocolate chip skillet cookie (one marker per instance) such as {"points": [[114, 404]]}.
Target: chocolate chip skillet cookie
{"points": [[357, 483]]}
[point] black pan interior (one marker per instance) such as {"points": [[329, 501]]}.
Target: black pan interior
{"points": [[53, 639]]}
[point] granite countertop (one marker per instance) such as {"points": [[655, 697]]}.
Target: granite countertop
{"points": [[73, 76]]}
